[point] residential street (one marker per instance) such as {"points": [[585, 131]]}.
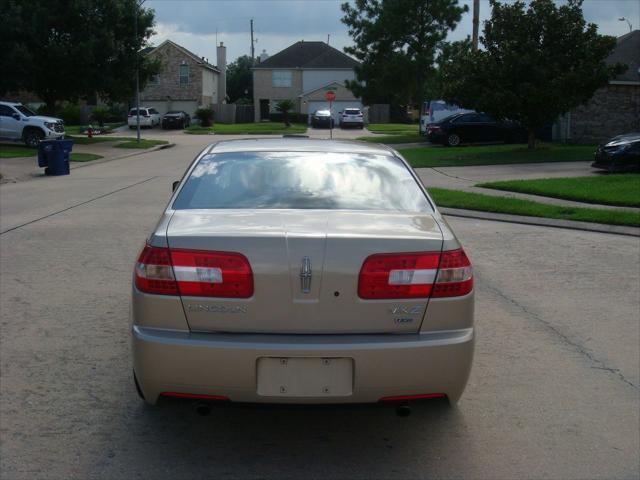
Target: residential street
{"points": [[554, 391]]}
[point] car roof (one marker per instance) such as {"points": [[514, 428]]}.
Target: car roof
{"points": [[10, 103], [300, 144]]}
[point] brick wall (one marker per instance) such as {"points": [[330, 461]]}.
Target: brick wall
{"points": [[169, 84], [613, 110]]}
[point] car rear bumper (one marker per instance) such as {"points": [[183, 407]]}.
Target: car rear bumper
{"points": [[219, 364], [144, 121], [439, 137]]}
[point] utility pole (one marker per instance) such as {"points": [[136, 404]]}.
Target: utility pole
{"points": [[328, 37], [253, 60], [137, 73], [476, 23]]}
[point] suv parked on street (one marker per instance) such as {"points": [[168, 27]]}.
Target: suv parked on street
{"points": [[20, 124], [149, 117]]}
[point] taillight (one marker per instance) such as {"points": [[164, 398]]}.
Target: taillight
{"points": [[398, 275], [212, 274], [193, 273], [415, 275], [455, 276], [153, 272]]}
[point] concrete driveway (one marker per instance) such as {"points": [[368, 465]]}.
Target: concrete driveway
{"points": [[554, 392]]}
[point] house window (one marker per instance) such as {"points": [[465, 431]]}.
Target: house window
{"points": [[154, 80], [281, 78], [184, 74]]}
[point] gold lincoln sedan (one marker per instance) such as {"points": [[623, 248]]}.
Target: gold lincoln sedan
{"points": [[293, 270]]}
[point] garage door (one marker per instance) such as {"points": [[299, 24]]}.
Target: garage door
{"points": [[188, 106], [336, 107]]}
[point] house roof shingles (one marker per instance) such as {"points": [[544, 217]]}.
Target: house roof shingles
{"points": [[309, 55], [198, 59], [627, 51]]}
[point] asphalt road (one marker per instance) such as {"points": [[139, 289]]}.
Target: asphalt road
{"points": [[554, 392]]}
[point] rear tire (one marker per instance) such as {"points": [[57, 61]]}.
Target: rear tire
{"points": [[453, 140], [33, 137]]}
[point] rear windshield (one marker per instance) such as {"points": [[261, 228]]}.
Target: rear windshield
{"points": [[301, 180], [133, 111], [352, 111]]}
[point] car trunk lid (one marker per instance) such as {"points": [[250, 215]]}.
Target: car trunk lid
{"points": [[306, 265]]}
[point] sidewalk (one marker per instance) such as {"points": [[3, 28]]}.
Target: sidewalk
{"points": [[20, 169]]}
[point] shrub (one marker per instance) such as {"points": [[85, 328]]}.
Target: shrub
{"points": [[285, 106], [70, 113], [101, 115], [205, 116]]}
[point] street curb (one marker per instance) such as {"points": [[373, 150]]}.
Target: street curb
{"points": [[74, 165], [542, 222]]}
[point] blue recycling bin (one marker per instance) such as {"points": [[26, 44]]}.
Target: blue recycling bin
{"points": [[54, 156]]}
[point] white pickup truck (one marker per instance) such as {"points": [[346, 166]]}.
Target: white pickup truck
{"points": [[19, 124]]}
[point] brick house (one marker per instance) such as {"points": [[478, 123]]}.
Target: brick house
{"points": [[614, 109], [303, 72], [186, 81]]}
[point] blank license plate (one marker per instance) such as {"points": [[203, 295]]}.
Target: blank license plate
{"points": [[305, 377]]}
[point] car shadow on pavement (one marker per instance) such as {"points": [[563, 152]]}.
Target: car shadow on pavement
{"points": [[264, 441]]}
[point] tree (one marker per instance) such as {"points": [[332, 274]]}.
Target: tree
{"points": [[240, 79], [70, 49], [396, 42], [285, 106], [538, 62]]}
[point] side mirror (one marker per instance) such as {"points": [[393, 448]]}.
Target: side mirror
{"points": [[16, 116], [174, 185]]}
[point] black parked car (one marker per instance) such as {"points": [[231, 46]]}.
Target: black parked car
{"points": [[176, 119], [474, 128], [619, 154], [322, 118]]}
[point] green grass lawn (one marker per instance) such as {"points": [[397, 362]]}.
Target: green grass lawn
{"points": [[144, 143], [12, 151], [77, 129], [516, 206], [495, 155], [393, 128], [395, 139], [84, 157], [261, 128], [20, 151], [82, 140], [622, 190], [198, 130]]}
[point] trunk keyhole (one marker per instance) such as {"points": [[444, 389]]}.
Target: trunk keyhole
{"points": [[336, 293]]}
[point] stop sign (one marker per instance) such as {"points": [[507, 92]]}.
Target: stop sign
{"points": [[330, 96]]}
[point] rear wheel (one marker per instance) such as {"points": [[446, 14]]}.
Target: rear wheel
{"points": [[32, 137], [453, 140]]}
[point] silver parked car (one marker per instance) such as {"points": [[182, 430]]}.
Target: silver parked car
{"points": [[302, 271]]}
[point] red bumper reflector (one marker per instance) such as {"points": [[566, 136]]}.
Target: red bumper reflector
{"points": [[219, 398], [404, 398]]}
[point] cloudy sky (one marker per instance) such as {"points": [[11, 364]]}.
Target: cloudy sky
{"points": [[197, 24]]}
